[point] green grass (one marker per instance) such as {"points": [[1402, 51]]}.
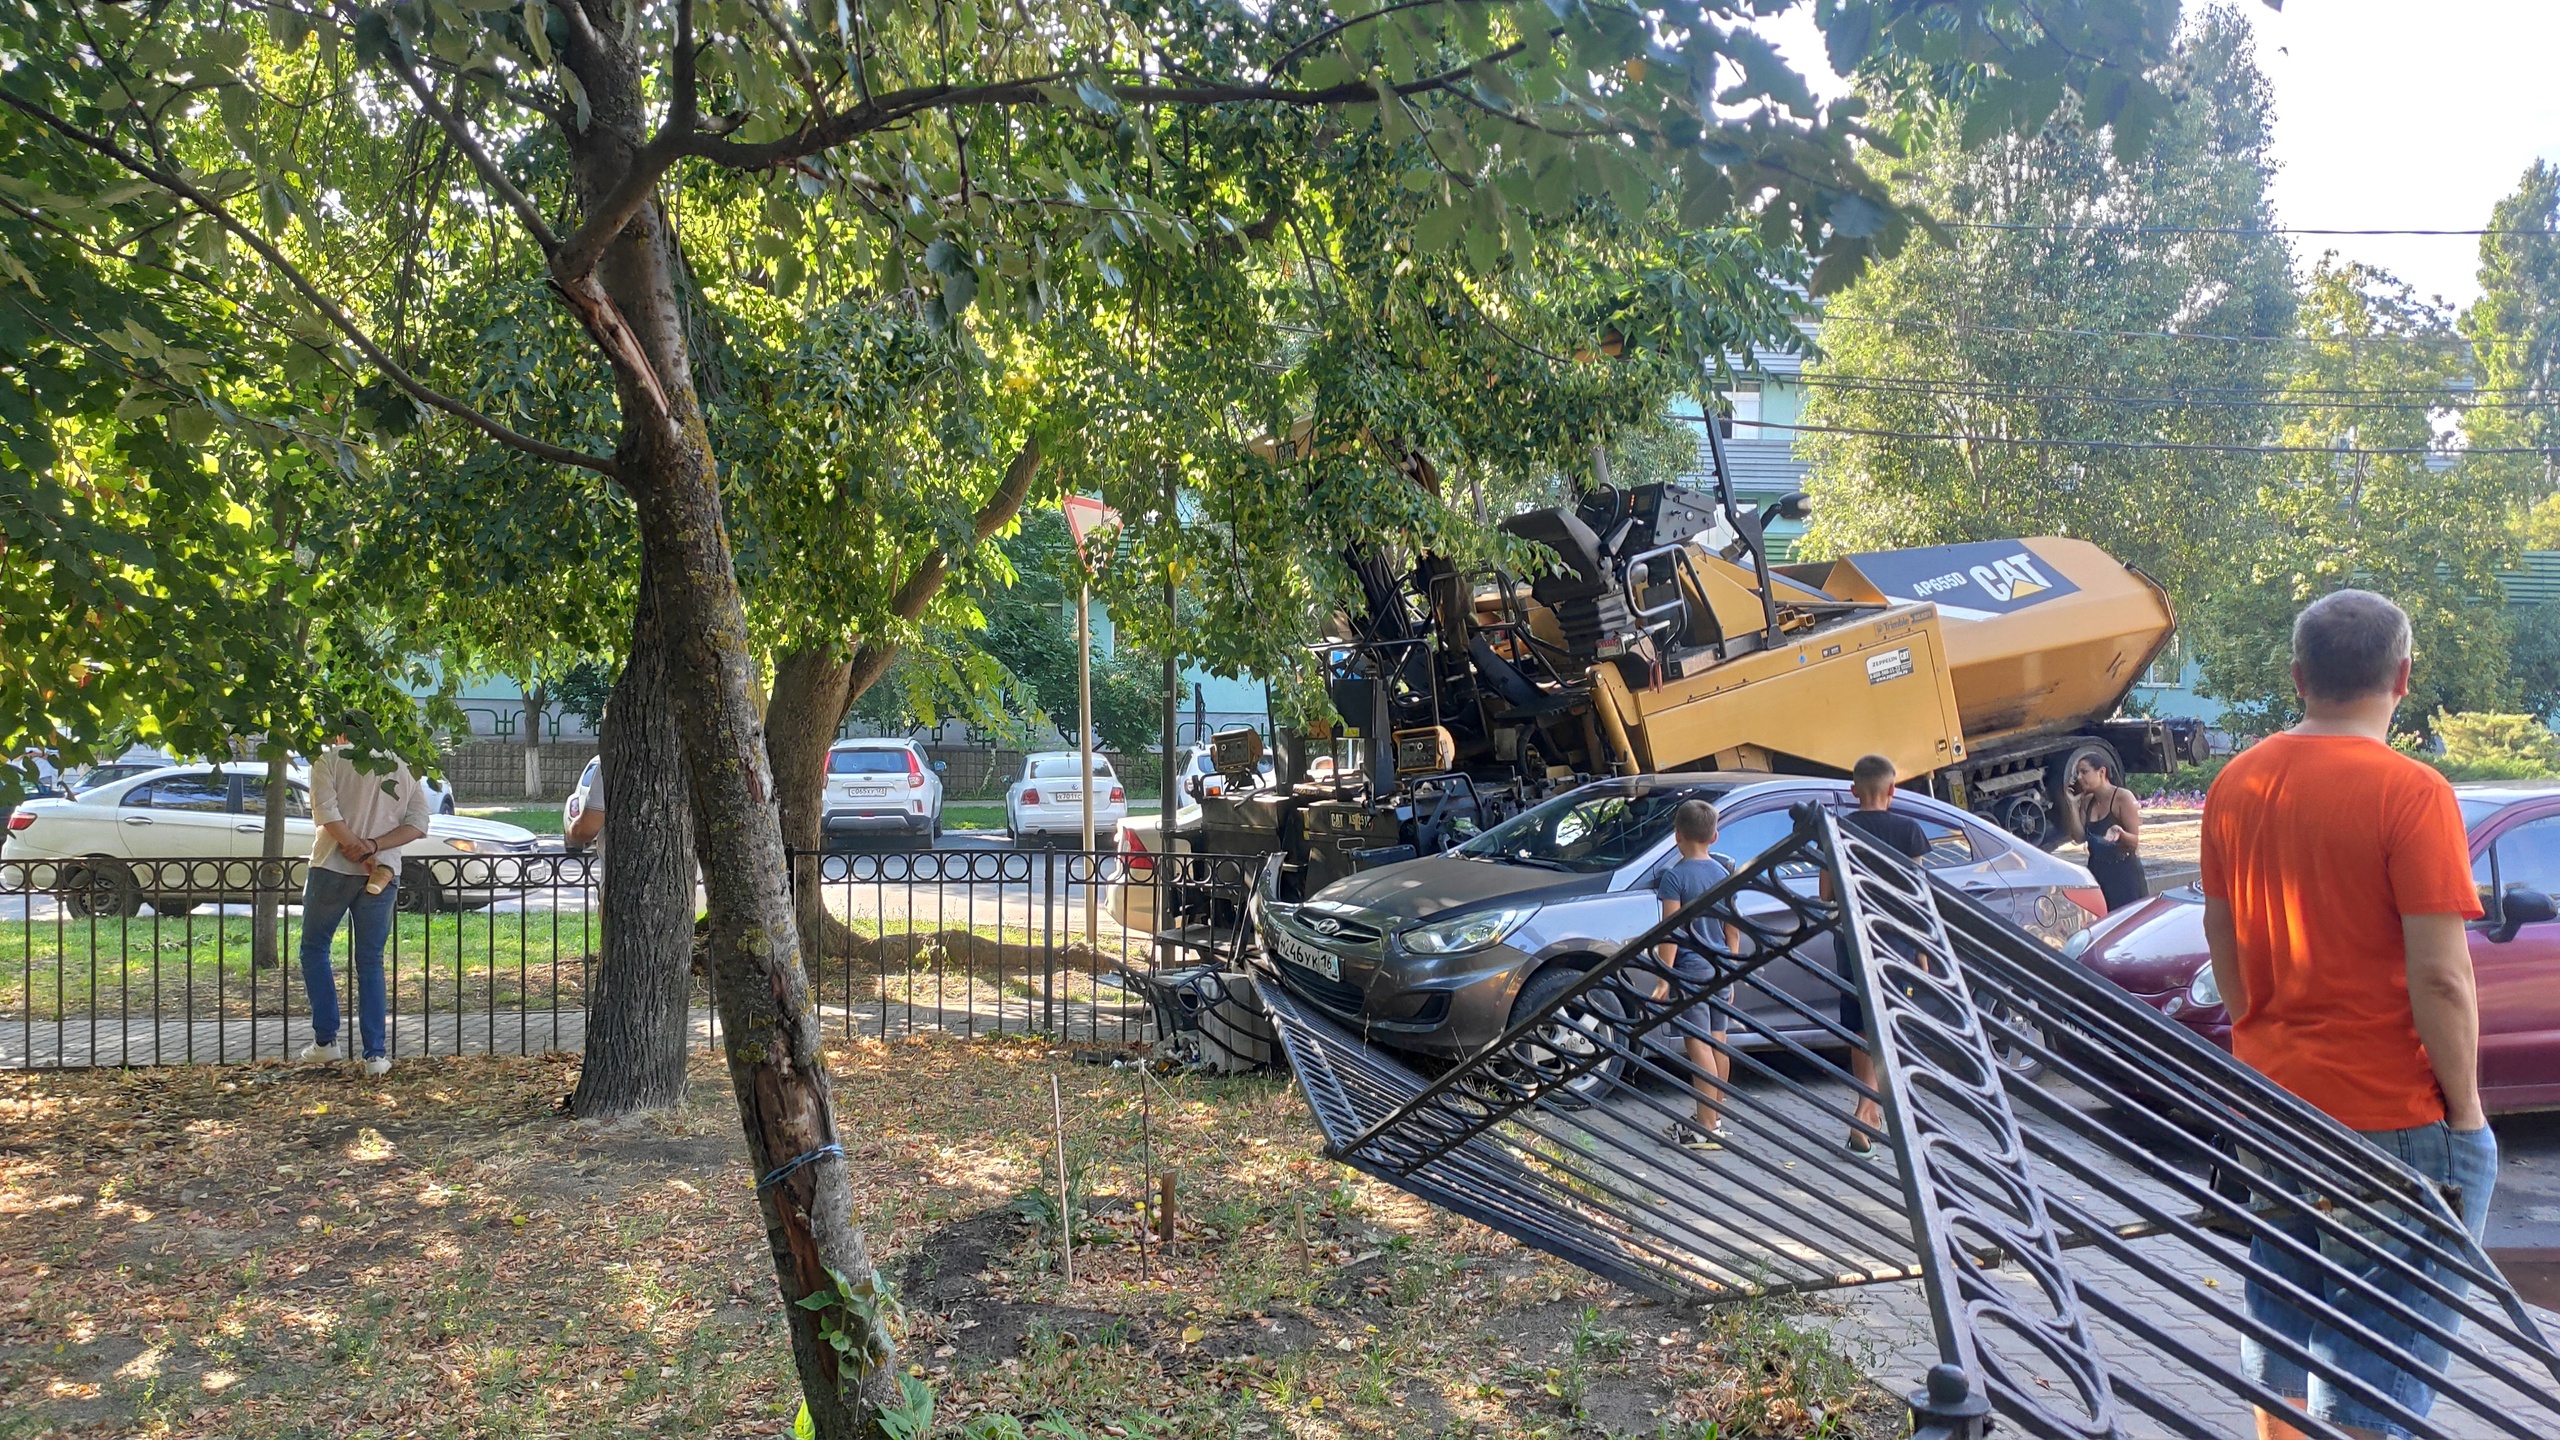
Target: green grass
{"points": [[959, 815], [540, 819], [203, 965]]}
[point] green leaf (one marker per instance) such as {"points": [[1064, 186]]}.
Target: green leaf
{"points": [[1095, 98], [191, 425], [1394, 121], [1484, 246], [1438, 228], [1848, 32], [816, 1300], [804, 1426], [1326, 70], [1857, 217]]}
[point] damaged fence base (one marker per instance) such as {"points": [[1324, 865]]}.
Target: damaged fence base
{"points": [[2087, 1244]]}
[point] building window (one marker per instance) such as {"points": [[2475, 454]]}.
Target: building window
{"points": [[1740, 411], [2169, 667]]}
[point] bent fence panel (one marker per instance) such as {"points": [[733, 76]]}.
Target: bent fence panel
{"points": [[2099, 1206]]}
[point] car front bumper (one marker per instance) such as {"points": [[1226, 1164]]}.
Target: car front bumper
{"points": [[1451, 1006]]}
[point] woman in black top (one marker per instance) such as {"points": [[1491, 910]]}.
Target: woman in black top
{"points": [[2106, 815]]}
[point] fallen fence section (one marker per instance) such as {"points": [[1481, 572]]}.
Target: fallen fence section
{"points": [[2100, 1206]]}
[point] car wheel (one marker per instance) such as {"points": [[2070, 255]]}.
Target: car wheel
{"points": [[419, 892], [100, 889], [172, 908], [1567, 1038], [2013, 1057]]}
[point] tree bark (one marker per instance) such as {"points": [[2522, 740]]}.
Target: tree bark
{"points": [[777, 1066], [639, 1007], [536, 701], [812, 690], [266, 928], [815, 687]]}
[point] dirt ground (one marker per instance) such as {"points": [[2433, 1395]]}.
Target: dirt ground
{"points": [[292, 1251]]}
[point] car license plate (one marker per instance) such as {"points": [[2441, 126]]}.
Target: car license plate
{"points": [[1307, 957]]}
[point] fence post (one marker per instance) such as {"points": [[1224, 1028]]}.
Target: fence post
{"points": [[1947, 1407], [1048, 942]]}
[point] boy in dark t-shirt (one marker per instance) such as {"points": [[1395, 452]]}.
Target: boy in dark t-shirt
{"points": [[1872, 781], [1694, 873]]}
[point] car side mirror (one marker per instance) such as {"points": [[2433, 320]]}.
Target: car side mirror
{"points": [[2518, 908], [1191, 787]]}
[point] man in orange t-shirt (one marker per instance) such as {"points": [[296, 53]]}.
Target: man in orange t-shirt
{"points": [[2337, 880]]}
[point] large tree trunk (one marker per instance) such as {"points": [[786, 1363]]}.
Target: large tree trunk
{"points": [[536, 701], [639, 1007], [266, 916], [810, 698], [771, 1030]]}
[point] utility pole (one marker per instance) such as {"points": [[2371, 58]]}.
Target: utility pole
{"points": [[1168, 799]]}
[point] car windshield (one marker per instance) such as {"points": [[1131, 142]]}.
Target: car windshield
{"points": [[1597, 828], [1068, 767], [867, 762]]}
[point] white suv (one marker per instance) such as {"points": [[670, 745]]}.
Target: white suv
{"points": [[881, 788]]}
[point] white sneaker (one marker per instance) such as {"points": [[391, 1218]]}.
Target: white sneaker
{"points": [[322, 1052], [377, 1066]]}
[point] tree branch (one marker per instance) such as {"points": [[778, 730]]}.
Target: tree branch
{"points": [[872, 657], [482, 161], [885, 110], [345, 325], [683, 106]]}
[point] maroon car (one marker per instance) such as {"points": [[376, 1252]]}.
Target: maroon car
{"points": [[2156, 949]]}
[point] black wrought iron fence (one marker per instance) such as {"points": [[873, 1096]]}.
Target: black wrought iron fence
{"points": [[1054, 942], [145, 962]]}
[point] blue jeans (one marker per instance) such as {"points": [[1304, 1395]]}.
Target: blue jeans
{"points": [[327, 897], [2465, 1159]]}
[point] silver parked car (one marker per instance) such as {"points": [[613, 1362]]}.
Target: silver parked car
{"points": [[1439, 954]]}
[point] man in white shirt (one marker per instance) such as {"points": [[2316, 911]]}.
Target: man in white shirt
{"points": [[363, 821]]}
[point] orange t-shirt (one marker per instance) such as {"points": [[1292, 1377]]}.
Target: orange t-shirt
{"points": [[2321, 843]]}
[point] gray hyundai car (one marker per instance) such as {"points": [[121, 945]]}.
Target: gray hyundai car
{"points": [[1438, 955]]}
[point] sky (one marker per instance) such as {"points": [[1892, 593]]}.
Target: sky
{"points": [[2389, 115]]}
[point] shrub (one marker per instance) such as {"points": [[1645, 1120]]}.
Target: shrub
{"points": [[2500, 742], [2195, 778]]}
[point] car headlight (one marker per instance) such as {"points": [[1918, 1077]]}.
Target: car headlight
{"points": [[2204, 989], [465, 847], [1472, 931], [2079, 943]]}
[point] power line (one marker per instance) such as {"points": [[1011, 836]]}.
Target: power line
{"points": [[2256, 400], [2103, 227], [1969, 327], [2044, 442]]}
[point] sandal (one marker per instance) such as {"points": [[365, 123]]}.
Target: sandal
{"points": [[1687, 1136]]}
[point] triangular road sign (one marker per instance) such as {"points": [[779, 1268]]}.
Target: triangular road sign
{"points": [[1085, 515]]}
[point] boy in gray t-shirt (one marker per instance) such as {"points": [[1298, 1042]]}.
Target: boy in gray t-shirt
{"points": [[1694, 873]]}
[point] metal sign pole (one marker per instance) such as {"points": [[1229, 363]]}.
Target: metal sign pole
{"points": [[1084, 738]]}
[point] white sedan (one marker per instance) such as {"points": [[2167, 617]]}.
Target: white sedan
{"points": [[1047, 803], [200, 812]]}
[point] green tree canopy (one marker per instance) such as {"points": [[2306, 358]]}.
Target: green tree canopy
{"points": [[2068, 310]]}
